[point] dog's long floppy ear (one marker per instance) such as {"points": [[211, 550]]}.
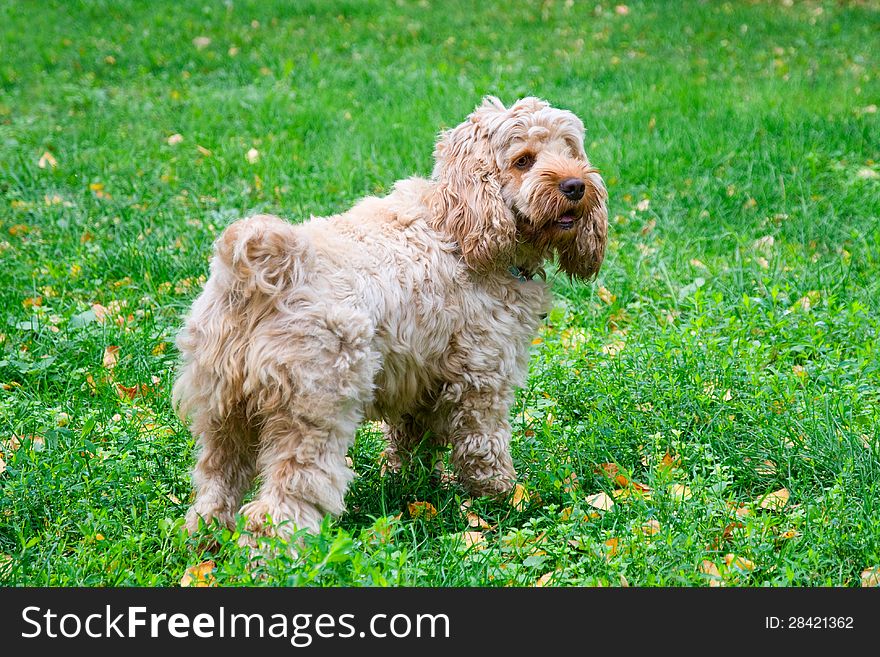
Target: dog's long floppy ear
{"points": [[468, 204], [582, 256]]}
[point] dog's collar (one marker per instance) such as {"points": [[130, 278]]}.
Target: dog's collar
{"points": [[522, 275]]}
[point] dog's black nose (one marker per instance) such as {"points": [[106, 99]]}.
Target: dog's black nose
{"points": [[572, 188]]}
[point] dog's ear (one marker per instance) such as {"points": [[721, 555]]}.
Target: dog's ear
{"points": [[468, 204], [582, 256]]}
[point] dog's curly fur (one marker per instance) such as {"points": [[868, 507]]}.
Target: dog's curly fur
{"points": [[402, 309]]}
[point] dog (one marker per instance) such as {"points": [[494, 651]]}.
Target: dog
{"points": [[416, 309]]}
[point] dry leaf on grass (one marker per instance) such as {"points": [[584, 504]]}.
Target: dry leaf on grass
{"points": [[200, 575], [871, 577], [711, 570], [601, 501], [47, 160], [2, 466], [739, 563], [680, 492], [111, 356], [424, 510], [520, 498], [545, 579], [649, 528], [774, 501], [605, 295], [474, 540]]}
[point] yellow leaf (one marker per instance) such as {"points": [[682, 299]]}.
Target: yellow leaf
{"points": [[612, 544], [614, 348], [871, 577], [200, 575], [679, 492], [570, 483], [649, 528], [99, 537], [545, 579], [601, 501], [111, 356], [476, 521], [520, 498], [710, 569], [774, 501], [605, 295], [46, 159], [474, 540], [791, 533], [739, 563], [424, 510]]}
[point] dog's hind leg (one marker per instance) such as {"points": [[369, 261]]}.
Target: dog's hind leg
{"points": [[310, 401], [224, 470]]}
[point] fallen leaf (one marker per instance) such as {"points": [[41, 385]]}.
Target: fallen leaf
{"points": [[808, 301], [614, 348], [200, 575], [174, 139], [204, 151], [610, 470], [774, 501], [613, 545], [111, 356], [201, 42], [570, 483], [738, 563], [474, 540], [648, 227], [601, 501], [173, 498], [520, 498], [764, 244], [2, 466], [679, 492], [605, 295], [46, 159], [698, 264], [544, 579], [668, 462], [766, 468], [99, 537], [424, 510], [710, 569], [476, 521], [649, 528], [621, 10], [871, 577], [789, 534]]}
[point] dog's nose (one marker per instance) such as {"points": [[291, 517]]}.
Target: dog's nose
{"points": [[572, 188]]}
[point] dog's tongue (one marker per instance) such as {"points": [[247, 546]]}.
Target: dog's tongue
{"points": [[566, 221]]}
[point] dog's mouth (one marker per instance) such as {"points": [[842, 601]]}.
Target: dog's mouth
{"points": [[566, 221]]}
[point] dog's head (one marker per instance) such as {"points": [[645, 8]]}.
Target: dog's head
{"points": [[518, 178]]}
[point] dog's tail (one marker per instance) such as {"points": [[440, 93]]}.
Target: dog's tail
{"points": [[262, 253]]}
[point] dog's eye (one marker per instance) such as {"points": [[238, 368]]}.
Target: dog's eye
{"points": [[524, 162]]}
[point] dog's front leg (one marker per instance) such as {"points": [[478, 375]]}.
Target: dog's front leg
{"points": [[480, 438]]}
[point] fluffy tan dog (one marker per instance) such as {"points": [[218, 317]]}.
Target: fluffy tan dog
{"points": [[417, 309]]}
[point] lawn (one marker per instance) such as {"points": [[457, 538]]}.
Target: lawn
{"points": [[705, 413]]}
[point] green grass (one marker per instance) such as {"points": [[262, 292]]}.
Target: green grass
{"points": [[716, 125]]}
